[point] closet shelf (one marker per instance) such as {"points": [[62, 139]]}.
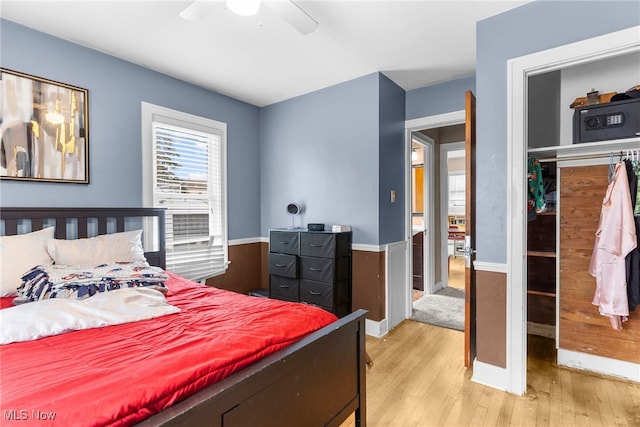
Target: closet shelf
{"points": [[546, 254], [541, 293], [567, 150]]}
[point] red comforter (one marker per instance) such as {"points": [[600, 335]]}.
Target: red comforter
{"points": [[119, 375]]}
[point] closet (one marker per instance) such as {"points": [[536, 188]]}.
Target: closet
{"points": [[560, 242], [541, 260]]}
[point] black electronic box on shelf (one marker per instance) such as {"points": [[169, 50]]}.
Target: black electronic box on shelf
{"points": [[601, 122]]}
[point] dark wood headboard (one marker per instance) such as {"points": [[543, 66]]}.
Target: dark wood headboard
{"points": [[87, 222]]}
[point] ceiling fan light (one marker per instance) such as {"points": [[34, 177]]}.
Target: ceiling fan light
{"points": [[243, 7]]}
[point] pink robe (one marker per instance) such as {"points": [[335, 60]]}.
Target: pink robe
{"points": [[615, 238]]}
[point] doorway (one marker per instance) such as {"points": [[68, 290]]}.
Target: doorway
{"points": [[428, 213], [422, 214], [453, 210]]}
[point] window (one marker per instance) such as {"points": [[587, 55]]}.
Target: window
{"points": [[184, 171]]}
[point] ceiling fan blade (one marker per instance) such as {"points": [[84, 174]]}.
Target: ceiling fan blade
{"points": [[293, 14], [196, 10]]}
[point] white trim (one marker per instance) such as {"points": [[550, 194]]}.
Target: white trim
{"points": [[376, 329], [489, 375], [518, 70], [367, 248], [493, 267], [440, 120], [355, 246], [247, 241], [603, 365], [398, 312], [149, 114], [428, 255]]}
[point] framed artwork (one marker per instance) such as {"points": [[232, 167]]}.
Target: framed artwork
{"points": [[44, 130]]}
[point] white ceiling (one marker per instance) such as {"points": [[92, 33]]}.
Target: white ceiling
{"points": [[262, 59]]}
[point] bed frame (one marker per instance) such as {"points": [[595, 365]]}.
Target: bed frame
{"points": [[318, 381]]}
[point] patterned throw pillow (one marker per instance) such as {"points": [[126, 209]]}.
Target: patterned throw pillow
{"points": [[84, 281]]}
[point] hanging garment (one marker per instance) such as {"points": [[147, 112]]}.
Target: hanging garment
{"points": [[636, 170], [536, 185], [615, 238], [633, 258]]}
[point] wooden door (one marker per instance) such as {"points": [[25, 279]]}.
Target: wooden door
{"points": [[470, 214]]}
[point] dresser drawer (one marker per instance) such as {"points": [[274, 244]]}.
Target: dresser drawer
{"points": [[284, 288], [317, 293], [318, 269], [325, 269], [284, 242], [283, 265], [325, 245]]}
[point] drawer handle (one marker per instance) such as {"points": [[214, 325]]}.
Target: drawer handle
{"points": [[283, 286], [313, 245], [284, 243], [315, 269], [281, 265], [315, 293]]}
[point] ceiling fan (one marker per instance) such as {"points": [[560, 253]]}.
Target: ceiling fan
{"points": [[286, 9]]}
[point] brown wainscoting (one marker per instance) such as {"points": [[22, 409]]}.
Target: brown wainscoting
{"points": [[491, 318], [368, 277], [245, 272], [248, 271]]}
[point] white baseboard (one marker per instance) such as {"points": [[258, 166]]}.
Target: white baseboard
{"points": [[376, 329], [599, 364], [489, 375]]}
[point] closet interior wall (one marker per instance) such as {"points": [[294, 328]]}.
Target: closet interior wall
{"points": [[581, 327]]}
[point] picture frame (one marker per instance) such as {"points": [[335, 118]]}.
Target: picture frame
{"points": [[44, 130]]}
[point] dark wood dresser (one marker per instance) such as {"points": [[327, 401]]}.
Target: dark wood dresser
{"points": [[312, 267]]}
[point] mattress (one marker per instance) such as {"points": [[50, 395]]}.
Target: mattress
{"points": [[119, 375]]}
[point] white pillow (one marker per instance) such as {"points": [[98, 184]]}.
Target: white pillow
{"points": [[125, 246], [20, 253]]}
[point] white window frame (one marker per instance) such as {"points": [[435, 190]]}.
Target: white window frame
{"points": [[151, 113]]}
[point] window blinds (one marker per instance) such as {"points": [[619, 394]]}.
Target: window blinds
{"points": [[188, 182]]}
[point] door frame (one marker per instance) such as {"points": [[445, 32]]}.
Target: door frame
{"points": [[428, 182], [444, 201], [411, 126], [518, 70]]}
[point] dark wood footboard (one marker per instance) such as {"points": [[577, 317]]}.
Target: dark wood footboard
{"points": [[318, 381]]}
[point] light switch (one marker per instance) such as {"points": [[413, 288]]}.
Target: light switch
{"points": [[393, 196]]}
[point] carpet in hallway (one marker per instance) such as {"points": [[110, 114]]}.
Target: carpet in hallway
{"points": [[444, 308]]}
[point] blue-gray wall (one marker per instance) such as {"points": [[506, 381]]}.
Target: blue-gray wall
{"points": [[440, 98], [392, 162], [533, 27], [116, 89], [322, 150]]}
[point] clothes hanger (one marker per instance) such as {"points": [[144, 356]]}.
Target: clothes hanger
{"points": [[612, 170]]}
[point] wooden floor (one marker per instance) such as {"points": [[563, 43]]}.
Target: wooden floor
{"points": [[418, 379], [456, 272]]}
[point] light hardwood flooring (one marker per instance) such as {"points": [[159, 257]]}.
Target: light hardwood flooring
{"points": [[418, 379], [456, 272]]}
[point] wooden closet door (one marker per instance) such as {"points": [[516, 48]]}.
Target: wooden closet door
{"points": [[582, 328]]}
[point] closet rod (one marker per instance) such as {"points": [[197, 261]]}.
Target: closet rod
{"points": [[619, 155]]}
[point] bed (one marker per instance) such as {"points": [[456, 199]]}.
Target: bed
{"points": [[311, 374]]}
